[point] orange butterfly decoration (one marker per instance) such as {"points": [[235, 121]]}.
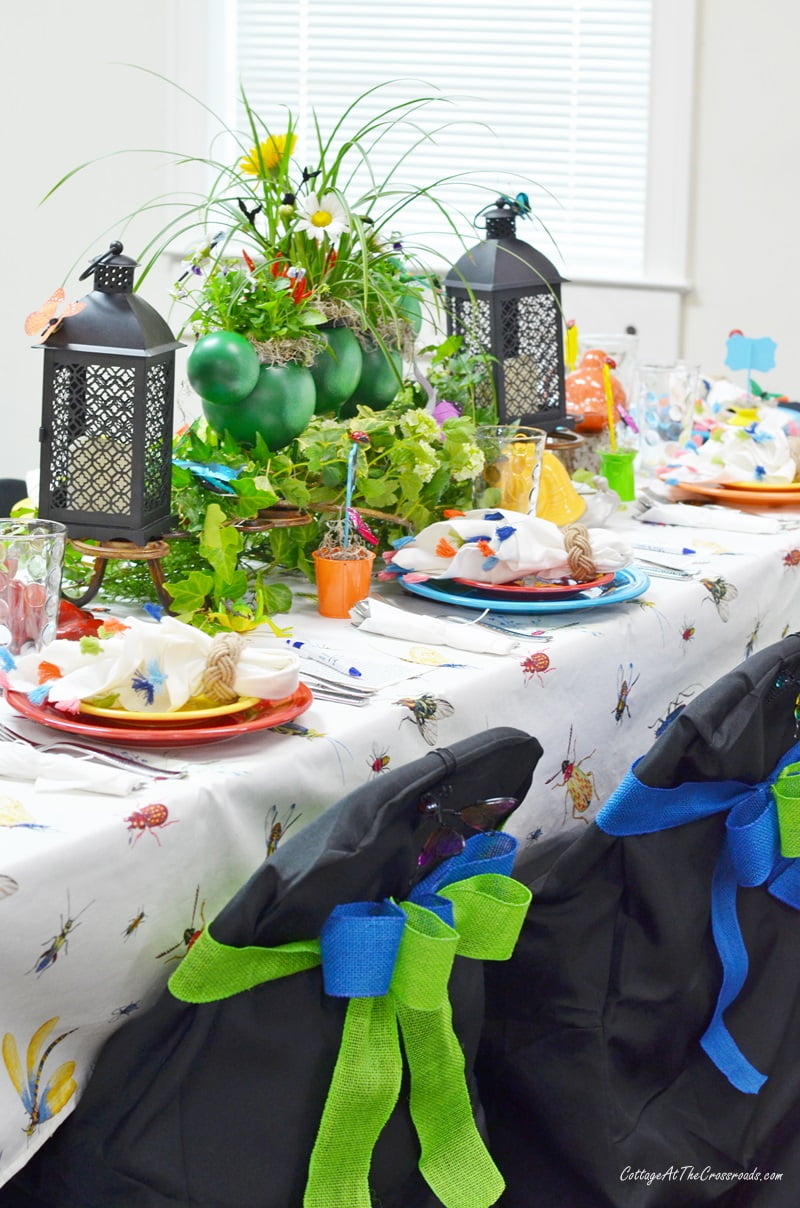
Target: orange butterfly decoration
{"points": [[45, 321]]}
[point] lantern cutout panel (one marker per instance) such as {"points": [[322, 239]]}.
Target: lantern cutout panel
{"points": [[504, 298], [107, 412]]}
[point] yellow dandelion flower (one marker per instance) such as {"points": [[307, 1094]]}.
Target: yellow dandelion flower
{"points": [[269, 154]]}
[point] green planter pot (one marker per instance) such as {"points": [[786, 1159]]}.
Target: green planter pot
{"points": [[379, 382], [223, 367], [278, 409], [337, 372]]}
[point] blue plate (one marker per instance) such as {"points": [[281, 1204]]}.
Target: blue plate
{"points": [[627, 585]]}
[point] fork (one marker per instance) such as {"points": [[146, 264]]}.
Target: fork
{"points": [[84, 751]]}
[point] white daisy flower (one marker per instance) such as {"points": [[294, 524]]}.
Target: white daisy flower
{"points": [[323, 216]]}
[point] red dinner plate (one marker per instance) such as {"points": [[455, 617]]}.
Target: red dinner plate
{"points": [[264, 715], [540, 589]]}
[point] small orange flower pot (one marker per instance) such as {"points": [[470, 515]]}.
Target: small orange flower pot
{"points": [[342, 580]]}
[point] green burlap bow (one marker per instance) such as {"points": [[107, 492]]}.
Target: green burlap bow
{"points": [[786, 793], [488, 912]]}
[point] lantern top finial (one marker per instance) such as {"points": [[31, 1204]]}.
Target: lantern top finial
{"points": [[501, 218], [113, 272]]}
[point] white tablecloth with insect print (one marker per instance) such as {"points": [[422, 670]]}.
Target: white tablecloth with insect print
{"points": [[100, 895]]}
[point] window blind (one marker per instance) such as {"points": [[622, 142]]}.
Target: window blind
{"points": [[550, 99]]}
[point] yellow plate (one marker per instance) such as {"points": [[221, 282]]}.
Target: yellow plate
{"points": [[762, 486], [194, 710]]}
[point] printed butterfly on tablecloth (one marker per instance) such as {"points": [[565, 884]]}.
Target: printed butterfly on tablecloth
{"points": [[45, 321]]}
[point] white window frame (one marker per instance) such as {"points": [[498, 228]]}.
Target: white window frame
{"points": [[652, 301]]}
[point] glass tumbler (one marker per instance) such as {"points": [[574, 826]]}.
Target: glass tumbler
{"points": [[31, 562], [512, 467], [665, 398]]}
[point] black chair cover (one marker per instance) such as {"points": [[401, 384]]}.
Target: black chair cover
{"points": [[596, 1089], [217, 1106]]}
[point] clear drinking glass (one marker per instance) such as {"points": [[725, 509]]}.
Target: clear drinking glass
{"points": [[512, 467], [664, 401], [31, 562]]}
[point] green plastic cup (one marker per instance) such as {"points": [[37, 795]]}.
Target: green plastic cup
{"points": [[617, 469]]}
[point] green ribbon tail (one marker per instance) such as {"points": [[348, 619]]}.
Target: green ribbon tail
{"points": [[362, 1095], [489, 912], [454, 1160]]}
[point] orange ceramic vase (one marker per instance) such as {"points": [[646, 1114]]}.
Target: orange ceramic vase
{"points": [[586, 396]]}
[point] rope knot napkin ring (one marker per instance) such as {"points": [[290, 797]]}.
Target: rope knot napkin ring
{"points": [[219, 672], [578, 546]]}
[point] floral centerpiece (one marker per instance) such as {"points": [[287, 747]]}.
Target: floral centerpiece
{"points": [[304, 301], [305, 265]]}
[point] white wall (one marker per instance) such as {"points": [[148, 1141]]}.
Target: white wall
{"points": [[745, 254], [64, 101]]}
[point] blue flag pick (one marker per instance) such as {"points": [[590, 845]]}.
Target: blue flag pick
{"points": [[749, 354]]}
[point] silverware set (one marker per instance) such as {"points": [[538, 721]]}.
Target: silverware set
{"points": [[83, 750], [336, 690]]}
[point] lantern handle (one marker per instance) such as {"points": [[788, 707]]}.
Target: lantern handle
{"points": [[103, 258]]}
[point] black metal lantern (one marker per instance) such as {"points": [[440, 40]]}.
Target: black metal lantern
{"points": [[504, 298], [107, 407]]}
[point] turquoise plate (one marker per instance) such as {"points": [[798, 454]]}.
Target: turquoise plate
{"points": [[627, 585]]}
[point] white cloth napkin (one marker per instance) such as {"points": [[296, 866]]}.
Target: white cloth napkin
{"points": [[736, 454], [499, 546], [711, 517], [375, 616], [149, 666], [56, 773]]}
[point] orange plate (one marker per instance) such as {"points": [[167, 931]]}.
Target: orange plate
{"points": [[262, 716], [776, 496]]}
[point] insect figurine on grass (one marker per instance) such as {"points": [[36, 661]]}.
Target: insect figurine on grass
{"points": [[59, 941], [190, 934], [41, 1103], [426, 711], [580, 786], [624, 686]]}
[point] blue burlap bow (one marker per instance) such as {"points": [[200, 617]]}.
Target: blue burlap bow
{"points": [[759, 847]]}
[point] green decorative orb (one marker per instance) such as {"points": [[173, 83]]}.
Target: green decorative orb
{"points": [[336, 373], [379, 381], [278, 409], [223, 367]]}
